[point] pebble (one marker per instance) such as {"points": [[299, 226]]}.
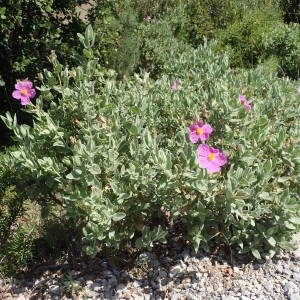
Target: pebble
{"points": [[55, 290]]}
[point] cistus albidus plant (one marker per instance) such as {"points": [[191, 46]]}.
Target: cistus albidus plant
{"points": [[118, 156]]}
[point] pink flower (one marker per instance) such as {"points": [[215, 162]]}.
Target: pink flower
{"points": [[199, 131], [176, 84], [24, 92], [149, 18], [245, 102], [210, 158]]}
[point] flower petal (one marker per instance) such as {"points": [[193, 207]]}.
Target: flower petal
{"points": [[199, 123], [247, 106], [194, 137], [209, 165], [16, 94], [207, 128], [242, 98], [220, 159], [203, 150], [25, 100], [32, 93], [193, 127]]}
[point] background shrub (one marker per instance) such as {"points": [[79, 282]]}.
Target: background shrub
{"points": [[30, 30], [291, 10], [243, 37], [282, 42], [15, 238]]}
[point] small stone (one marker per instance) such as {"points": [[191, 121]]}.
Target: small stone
{"points": [[174, 271], [22, 298], [185, 254], [294, 297], [97, 287], [20, 290], [137, 297], [108, 293], [120, 286], [154, 263], [55, 290], [296, 276], [112, 280], [136, 283], [245, 298], [104, 265], [162, 273], [287, 271], [186, 280], [269, 287], [290, 288], [175, 296], [229, 298], [147, 297], [89, 283], [279, 268], [154, 284]]}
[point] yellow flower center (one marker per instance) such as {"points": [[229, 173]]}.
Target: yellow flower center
{"points": [[199, 130], [211, 156], [24, 92]]}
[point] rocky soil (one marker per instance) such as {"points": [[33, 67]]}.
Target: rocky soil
{"points": [[175, 274]]}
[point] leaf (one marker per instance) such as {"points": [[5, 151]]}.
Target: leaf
{"points": [[289, 225], [271, 241], [118, 216], [295, 220], [256, 253], [72, 176], [95, 169], [265, 196], [283, 179]]}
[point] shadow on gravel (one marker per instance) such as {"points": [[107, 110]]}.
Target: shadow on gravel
{"points": [[136, 275]]}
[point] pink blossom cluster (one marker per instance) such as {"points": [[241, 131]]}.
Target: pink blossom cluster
{"points": [[24, 91], [176, 84], [208, 157], [245, 102]]}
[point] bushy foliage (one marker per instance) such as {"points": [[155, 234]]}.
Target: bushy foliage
{"points": [[243, 37], [15, 239], [291, 10], [16, 253], [116, 155], [29, 31], [283, 43], [260, 35]]}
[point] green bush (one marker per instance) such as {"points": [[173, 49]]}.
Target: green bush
{"points": [[260, 35], [30, 30], [15, 239], [115, 155], [243, 37], [283, 43], [16, 253], [117, 43], [290, 10]]}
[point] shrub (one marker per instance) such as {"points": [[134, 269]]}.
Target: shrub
{"points": [[243, 37], [290, 10], [116, 155], [16, 253], [22, 50], [283, 43], [15, 239]]}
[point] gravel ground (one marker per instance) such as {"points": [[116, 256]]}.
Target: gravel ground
{"points": [[177, 274]]}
